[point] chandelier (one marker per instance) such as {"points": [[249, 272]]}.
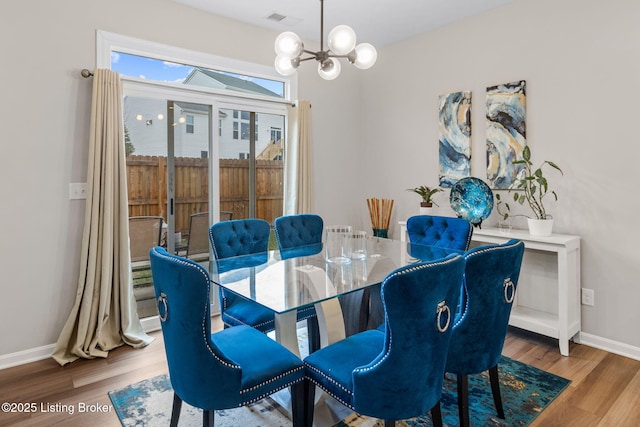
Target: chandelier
{"points": [[342, 44]]}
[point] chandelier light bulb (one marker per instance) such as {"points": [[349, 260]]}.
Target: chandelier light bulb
{"points": [[288, 45], [366, 56], [329, 69], [286, 66], [342, 39]]}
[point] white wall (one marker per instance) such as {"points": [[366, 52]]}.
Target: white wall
{"points": [[374, 131], [581, 63]]}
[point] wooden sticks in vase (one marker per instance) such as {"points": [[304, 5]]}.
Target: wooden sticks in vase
{"points": [[380, 212]]}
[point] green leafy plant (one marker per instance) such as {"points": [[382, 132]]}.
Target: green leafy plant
{"points": [[534, 187], [426, 193]]}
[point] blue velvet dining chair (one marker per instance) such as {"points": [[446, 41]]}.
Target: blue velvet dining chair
{"points": [[235, 238], [228, 369], [231, 239], [395, 373], [301, 235], [440, 231], [480, 327]]}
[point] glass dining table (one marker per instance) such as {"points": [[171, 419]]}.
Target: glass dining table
{"points": [[288, 281]]}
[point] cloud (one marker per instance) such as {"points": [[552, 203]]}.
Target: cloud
{"points": [[115, 57], [172, 64]]}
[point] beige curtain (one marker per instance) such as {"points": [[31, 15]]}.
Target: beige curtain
{"points": [[104, 315], [297, 183]]}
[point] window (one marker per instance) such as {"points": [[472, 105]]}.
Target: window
{"points": [[180, 73], [241, 125], [276, 134], [189, 127]]}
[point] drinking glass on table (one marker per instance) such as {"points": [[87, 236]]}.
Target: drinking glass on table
{"points": [[357, 248], [337, 244]]}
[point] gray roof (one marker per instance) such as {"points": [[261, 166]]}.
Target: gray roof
{"points": [[232, 83]]}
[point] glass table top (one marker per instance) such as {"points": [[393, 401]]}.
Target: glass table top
{"points": [[304, 277]]}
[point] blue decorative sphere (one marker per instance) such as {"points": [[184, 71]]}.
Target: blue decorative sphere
{"points": [[472, 199]]}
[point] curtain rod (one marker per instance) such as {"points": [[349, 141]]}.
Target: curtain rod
{"points": [[86, 74]]}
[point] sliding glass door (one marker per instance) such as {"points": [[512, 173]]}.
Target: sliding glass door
{"points": [[168, 144], [194, 162]]}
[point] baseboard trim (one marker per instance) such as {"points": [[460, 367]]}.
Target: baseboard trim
{"points": [[611, 346], [150, 324], [26, 356]]}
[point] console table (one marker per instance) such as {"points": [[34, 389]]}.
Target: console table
{"points": [[565, 324]]}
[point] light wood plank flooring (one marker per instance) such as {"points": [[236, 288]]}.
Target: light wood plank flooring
{"points": [[605, 388]]}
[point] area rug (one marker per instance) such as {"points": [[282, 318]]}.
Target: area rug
{"points": [[526, 392]]}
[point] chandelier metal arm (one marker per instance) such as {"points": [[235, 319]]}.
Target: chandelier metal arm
{"points": [[321, 25], [324, 54], [309, 57]]}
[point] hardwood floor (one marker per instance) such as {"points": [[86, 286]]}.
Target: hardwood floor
{"points": [[605, 388]]}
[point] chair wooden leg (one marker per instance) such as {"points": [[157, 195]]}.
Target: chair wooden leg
{"points": [[436, 415], [208, 418], [175, 410], [309, 394], [463, 400], [313, 333], [389, 423], [495, 390], [298, 404]]}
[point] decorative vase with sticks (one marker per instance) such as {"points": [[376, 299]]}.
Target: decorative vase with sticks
{"points": [[380, 214]]}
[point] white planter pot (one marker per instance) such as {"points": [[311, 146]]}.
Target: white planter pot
{"points": [[426, 211], [540, 227]]}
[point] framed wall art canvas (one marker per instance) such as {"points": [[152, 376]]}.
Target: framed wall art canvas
{"points": [[506, 132], [454, 138]]}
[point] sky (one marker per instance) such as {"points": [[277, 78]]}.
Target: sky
{"points": [[171, 72]]}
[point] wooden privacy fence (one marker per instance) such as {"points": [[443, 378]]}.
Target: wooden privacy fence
{"points": [[147, 184]]}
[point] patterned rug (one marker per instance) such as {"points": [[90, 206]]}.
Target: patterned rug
{"points": [[526, 392]]}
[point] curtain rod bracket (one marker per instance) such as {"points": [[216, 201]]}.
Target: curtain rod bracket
{"points": [[86, 73]]}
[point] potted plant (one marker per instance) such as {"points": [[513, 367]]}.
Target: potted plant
{"points": [[426, 193], [534, 188]]}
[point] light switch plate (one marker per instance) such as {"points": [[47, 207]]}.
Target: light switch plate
{"points": [[77, 190]]}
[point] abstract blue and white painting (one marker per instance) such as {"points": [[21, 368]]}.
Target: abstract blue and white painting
{"points": [[506, 132], [454, 137]]}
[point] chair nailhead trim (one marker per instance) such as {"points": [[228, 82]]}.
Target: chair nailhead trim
{"points": [[348, 405], [262, 396], [262, 384]]}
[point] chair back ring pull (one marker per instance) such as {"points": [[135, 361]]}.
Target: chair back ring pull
{"points": [[164, 310], [509, 290], [443, 308]]}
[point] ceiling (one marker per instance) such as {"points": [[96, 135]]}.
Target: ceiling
{"points": [[379, 22]]}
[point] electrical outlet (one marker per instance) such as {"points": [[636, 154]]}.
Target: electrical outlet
{"points": [[588, 297], [77, 190]]}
